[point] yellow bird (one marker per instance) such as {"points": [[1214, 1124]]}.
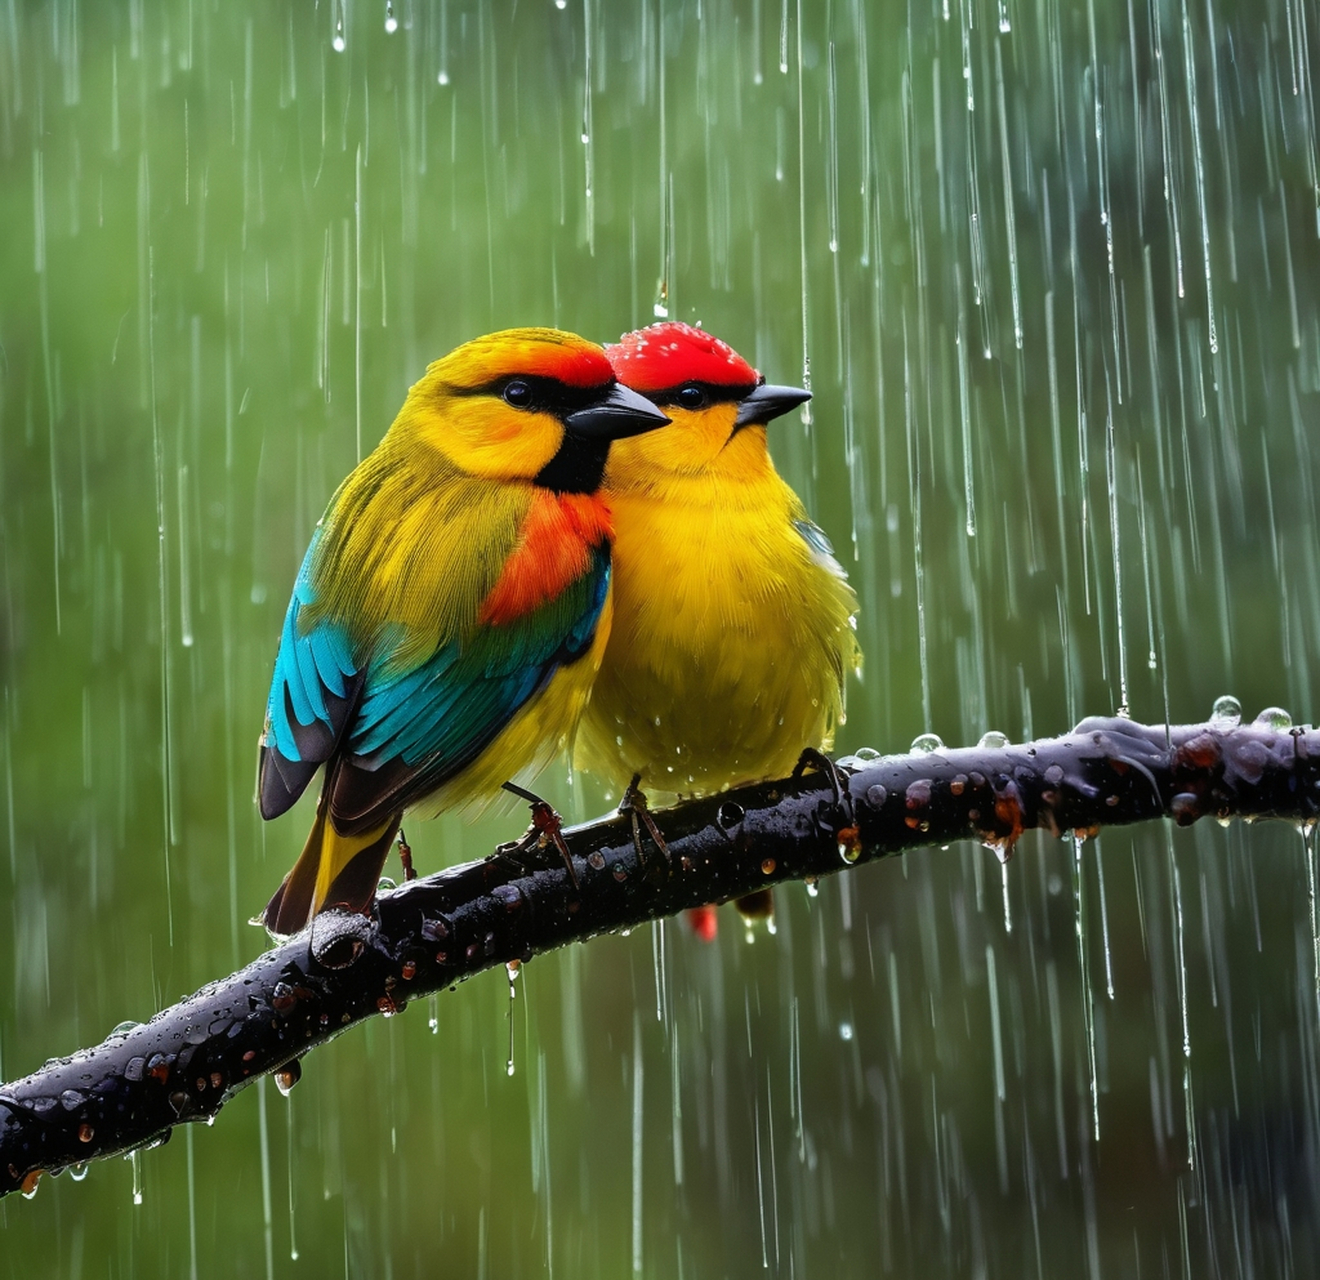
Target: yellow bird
{"points": [[452, 608], [733, 622]]}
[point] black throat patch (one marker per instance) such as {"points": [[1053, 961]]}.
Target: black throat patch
{"points": [[577, 467]]}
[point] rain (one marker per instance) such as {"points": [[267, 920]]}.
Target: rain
{"points": [[1049, 269]]}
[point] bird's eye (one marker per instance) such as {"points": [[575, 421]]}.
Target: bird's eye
{"points": [[518, 394], [691, 396]]}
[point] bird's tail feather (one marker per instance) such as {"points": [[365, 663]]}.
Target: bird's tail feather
{"points": [[334, 870]]}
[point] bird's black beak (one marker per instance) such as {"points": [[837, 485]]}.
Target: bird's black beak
{"points": [[768, 402], [618, 413]]}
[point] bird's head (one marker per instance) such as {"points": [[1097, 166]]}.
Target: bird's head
{"points": [[719, 404], [526, 404]]}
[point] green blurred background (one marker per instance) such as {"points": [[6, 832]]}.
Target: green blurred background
{"points": [[1054, 268]]}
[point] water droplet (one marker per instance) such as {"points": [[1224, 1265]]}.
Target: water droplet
{"points": [[79, 1171], [124, 1028], [442, 78], [925, 744], [993, 740], [29, 1184], [561, 4], [1274, 718], [288, 1076], [813, 888], [866, 754], [849, 853], [1227, 711], [876, 795], [391, 22], [845, 1031], [384, 884], [338, 41]]}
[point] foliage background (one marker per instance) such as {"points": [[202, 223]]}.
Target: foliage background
{"points": [[1054, 268]]}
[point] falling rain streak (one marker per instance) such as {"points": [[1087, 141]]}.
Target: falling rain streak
{"points": [[1048, 271]]}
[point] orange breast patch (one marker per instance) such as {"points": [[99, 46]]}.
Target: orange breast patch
{"points": [[554, 549]]}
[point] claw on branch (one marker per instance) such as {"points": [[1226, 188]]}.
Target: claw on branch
{"points": [[547, 827], [405, 857], [639, 812]]}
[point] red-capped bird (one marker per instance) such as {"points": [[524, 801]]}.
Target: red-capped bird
{"points": [[733, 622]]}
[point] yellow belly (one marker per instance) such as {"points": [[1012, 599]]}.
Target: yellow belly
{"points": [[728, 648]]}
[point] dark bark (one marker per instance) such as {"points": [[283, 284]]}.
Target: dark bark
{"points": [[431, 933]]}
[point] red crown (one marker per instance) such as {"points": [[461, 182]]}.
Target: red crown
{"points": [[663, 356]]}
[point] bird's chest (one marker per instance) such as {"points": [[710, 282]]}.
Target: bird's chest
{"points": [[690, 588], [707, 665]]}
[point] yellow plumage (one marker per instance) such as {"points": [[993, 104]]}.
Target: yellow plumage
{"points": [[732, 627], [452, 609]]}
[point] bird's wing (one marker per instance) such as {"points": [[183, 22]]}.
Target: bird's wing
{"points": [[842, 613], [818, 543], [402, 714], [415, 730], [315, 687]]}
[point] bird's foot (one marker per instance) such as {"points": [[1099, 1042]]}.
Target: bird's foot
{"points": [[818, 760], [635, 806], [811, 758], [547, 828], [405, 857]]}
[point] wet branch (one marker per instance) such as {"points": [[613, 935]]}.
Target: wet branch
{"points": [[183, 1065]]}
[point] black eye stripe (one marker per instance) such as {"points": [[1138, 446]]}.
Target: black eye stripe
{"points": [[715, 394], [547, 395]]}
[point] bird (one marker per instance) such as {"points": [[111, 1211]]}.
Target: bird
{"points": [[452, 607], [734, 624]]}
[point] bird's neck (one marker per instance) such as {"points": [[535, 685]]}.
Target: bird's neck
{"points": [[577, 466], [748, 482]]}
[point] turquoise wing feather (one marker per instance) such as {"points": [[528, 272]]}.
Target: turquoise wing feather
{"points": [[312, 695], [399, 734]]}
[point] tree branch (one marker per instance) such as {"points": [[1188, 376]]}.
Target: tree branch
{"points": [[183, 1065]]}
